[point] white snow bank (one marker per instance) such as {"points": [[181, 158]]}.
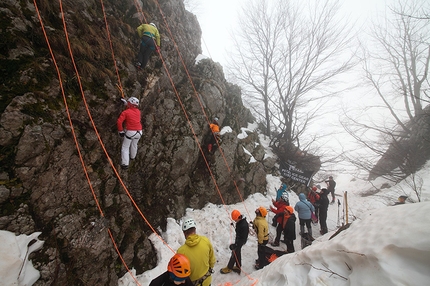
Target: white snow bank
{"points": [[373, 251], [15, 268]]}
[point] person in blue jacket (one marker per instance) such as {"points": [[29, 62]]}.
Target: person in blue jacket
{"points": [[304, 209], [280, 191]]}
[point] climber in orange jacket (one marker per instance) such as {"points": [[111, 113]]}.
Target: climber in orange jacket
{"points": [[214, 136]]}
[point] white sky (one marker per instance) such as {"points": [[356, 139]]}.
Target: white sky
{"points": [[217, 19]]}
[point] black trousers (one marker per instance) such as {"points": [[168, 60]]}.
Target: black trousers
{"points": [[323, 221], [147, 45], [261, 253], [235, 258], [279, 230], [290, 245]]}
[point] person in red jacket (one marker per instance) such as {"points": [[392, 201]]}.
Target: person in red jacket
{"points": [[132, 132], [314, 198], [279, 212]]}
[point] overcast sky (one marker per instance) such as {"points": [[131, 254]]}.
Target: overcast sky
{"points": [[217, 19]]}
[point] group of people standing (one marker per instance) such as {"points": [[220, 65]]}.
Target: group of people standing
{"points": [[194, 261], [315, 203]]}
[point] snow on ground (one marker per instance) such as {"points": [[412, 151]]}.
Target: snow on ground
{"points": [[15, 268], [385, 245]]}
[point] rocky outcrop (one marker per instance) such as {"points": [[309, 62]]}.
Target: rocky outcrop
{"points": [[43, 186]]}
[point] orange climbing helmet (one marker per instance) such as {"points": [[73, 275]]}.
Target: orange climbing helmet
{"points": [[235, 214], [262, 211], [179, 265], [289, 209]]}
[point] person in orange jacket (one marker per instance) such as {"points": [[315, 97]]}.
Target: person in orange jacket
{"points": [[289, 225], [214, 136]]}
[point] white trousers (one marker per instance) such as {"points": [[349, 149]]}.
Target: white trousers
{"points": [[129, 146]]}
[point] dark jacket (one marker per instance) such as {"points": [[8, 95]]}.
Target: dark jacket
{"points": [[324, 202], [331, 185], [164, 280], [290, 228], [242, 231]]}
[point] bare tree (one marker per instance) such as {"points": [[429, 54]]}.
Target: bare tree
{"points": [[288, 53], [396, 64]]}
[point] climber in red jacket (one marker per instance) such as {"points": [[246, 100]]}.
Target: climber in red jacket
{"points": [[132, 132]]}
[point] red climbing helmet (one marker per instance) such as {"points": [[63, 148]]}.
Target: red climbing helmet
{"points": [[179, 265]]}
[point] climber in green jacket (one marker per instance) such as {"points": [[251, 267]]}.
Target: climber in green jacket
{"points": [[150, 41]]}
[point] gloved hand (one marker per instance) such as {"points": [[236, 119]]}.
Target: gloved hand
{"points": [[121, 133], [123, 101], [232, 246]]}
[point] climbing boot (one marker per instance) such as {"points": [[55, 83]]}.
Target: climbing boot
{"points": [[225, 270], [236, 269]]}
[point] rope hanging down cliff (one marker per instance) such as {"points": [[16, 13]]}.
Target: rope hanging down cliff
{"points": [[76, 141]]}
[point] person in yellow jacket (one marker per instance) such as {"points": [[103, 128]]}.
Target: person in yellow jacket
{"points": [[200, 252], [261, 227], [150, 41]]}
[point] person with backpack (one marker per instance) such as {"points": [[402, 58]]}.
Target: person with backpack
{"points": [[242, 231], [261, 227], [314, 198], [304, 208], [149, 42], [199, 250], [178, 272], [289, 228], [323, 209], [132, 132], [278, 210]]}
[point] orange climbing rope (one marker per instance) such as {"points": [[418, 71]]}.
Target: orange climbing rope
{"points": [[119, 85], [96, 131], [189, 122], [200, 103], [74, 136]]}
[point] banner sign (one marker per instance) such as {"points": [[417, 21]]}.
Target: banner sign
{"points": [[289, 171]]}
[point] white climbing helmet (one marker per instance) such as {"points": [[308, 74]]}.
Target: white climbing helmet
{"points": [[152, 24], [188, 223], [133, 101]]}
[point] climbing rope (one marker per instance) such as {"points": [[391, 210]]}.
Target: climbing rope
{"points": [[75, 139]]}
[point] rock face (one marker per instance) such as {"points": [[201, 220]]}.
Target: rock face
{"points": [[43, 186]]}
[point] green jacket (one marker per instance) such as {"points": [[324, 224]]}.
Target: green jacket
{"points": [[150, 31], [200, 252], [261, 228]]}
